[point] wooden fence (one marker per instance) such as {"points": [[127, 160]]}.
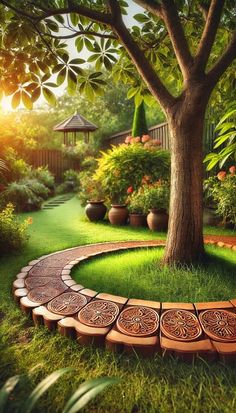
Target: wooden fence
{"points": [[54, 159], [161, 132]]}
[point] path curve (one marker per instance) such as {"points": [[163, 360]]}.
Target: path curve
{"points": [[45, 290]]}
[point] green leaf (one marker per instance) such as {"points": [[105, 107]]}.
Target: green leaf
{"points": [[57, 68], [226, 116], [88, 45], [141, 18], [16, 100], [26, 100], [41, 388], [79, 43], [74, 18], [43, 67], [6, 390], [49, 96], [61, 76], [86, 392], [59, 18], [76, 61]]}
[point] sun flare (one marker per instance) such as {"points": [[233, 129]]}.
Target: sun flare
{"points": [[5, 104]]}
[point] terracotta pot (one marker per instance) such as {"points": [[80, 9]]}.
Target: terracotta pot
{"points": [[157, 220], [118, 214], [138, 220], [95, 210]]}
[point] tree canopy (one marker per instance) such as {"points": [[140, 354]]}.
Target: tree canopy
{"points": [[169, 39]]}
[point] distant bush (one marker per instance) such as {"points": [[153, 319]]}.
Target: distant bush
{"points": [[25, 195], [18, 168], [44, 176], [13, 233], [71, 182]]}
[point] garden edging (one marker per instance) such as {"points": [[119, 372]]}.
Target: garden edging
{"points": [[45, 290]]}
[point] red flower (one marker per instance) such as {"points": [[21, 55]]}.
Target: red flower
{"points": [[130, 190], [232, 170], [221, 175]]}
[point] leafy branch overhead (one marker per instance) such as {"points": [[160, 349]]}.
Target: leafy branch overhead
{"points": [[167, 46]]}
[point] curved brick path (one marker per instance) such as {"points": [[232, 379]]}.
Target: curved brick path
{"points": [[46, 291]]}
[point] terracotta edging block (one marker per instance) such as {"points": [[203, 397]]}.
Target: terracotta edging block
{"points": [[147, 346], [191, 348], [176, 306], [116, 298], [213, 305], [41, 315]]}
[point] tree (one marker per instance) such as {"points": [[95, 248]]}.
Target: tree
{"points": [[180, 50], [139, 127]]}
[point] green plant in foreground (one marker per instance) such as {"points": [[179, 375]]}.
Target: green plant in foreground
{"points": [[13, 233], [226, 138], [85, 392]]}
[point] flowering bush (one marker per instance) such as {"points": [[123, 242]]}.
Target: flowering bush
{"points": [[125, 166], [222, 191], [90, 189], [13, 233], [152, 196], [145, 139]]}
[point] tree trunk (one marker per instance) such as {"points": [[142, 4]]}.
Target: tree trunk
{"points": [[185, 232]]}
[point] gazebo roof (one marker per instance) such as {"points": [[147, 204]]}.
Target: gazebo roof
{"points": [[75, 123]]}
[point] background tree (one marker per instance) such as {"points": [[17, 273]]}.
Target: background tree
{"points": [[139, 127], [180, 50]]}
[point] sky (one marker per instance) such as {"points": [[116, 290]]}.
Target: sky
{"points": [[5, 104]]}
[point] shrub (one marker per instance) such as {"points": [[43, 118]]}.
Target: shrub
{"points": [[18, 168], [126, 165], [13, 233], [156, 196], [44, 176], [26, 195], [89, 164], [78, 152], [71, 182]]}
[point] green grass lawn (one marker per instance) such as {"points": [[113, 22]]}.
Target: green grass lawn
{"points": [[138, 274], [156, 385]]}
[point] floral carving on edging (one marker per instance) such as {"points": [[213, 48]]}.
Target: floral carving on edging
{"points": [[67, 303], [219, 325], [138, 321], [180, 325], [99, 313]]}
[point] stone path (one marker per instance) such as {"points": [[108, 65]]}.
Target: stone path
{"points": [[57, 201], [45, 290]]}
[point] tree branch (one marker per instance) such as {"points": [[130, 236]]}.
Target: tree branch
{"points": [[223, 62], [168, 12], [145, 69], [78, 33], [149, 5], [209, 34]]}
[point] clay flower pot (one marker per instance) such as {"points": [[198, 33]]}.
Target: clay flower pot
{"points": [[118, 214], [157, 220], [95, 210], [137, 220]]}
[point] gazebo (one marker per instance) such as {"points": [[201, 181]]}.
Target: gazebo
{"points": [[72, 125]]}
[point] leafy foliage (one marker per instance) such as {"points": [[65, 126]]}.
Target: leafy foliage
{"points": [[13, 238], [226, 129], [126, 165], [222, 191], [82, 396]]}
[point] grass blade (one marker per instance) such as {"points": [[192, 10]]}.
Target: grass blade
{"points": [[41, 388], [86, 392], [6, 390]]}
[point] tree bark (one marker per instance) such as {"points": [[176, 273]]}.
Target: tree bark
{"points": [[185, 232]]}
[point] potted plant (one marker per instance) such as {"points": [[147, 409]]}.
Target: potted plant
{"points": [[156, 202], [92, 195], [137, 215], [118, 214]]}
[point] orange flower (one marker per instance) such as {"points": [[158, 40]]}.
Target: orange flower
{"points": [[221, 175], [137, 139], [156, 142], [128, 139], [232, 170], [30, 220], [145, 138]]}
